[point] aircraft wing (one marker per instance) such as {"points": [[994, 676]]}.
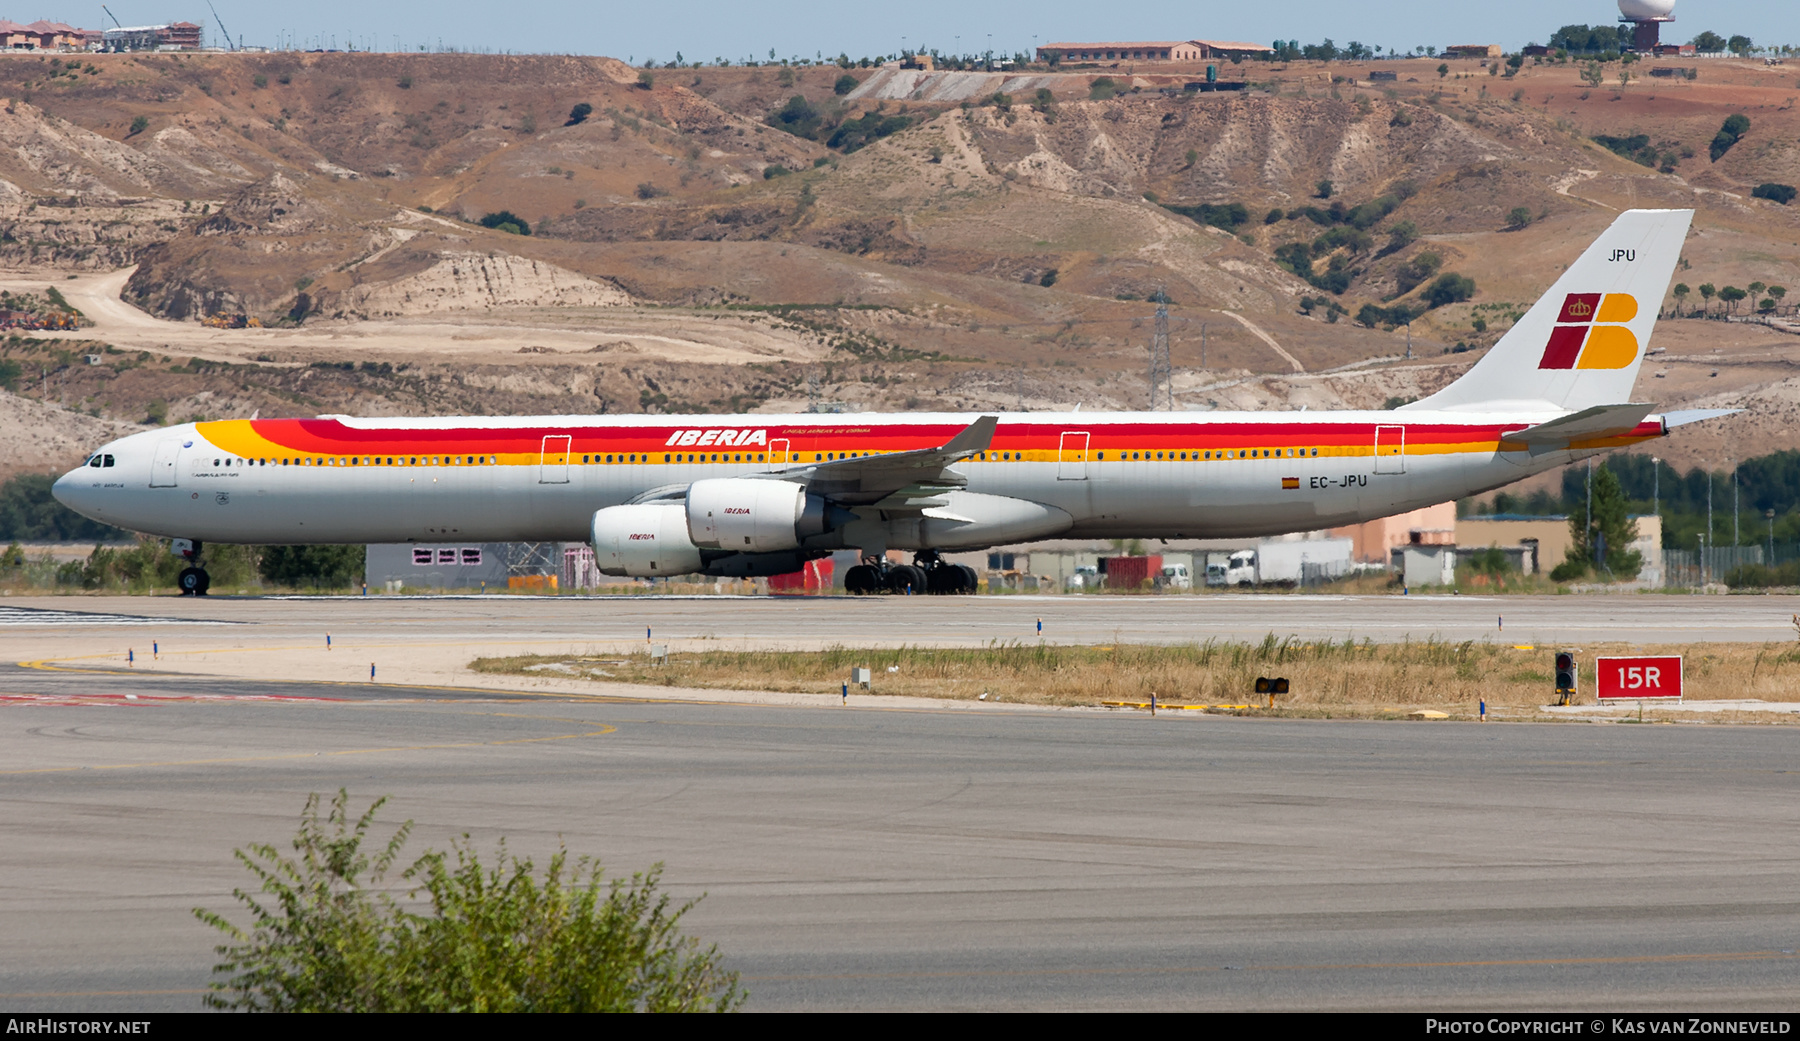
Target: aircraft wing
{"points": [[897, 480], [1589, 423]]}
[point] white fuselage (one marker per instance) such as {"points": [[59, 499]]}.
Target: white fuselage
{"points": [[1138, 475]]}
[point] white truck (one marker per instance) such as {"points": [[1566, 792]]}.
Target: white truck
{"points": [[1085, 576], [1175, 576], [1283, 563]]}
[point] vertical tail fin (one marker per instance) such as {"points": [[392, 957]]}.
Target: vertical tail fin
{"points": [[1582, 342]]}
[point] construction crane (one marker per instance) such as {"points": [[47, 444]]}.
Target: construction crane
{"points": [[226, 32], [116, 23]]}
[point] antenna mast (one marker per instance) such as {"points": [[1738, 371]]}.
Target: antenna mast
{"points": [[1160, 375]]}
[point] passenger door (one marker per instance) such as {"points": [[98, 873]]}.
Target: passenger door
{"points": [[1390, 449], [1072, 456], [553, 463]]}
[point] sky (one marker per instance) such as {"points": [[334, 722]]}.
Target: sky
{"points": [[702, 30]]}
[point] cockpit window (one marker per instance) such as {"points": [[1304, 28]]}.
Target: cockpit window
{"points": [[95, 461], [109, 460]]}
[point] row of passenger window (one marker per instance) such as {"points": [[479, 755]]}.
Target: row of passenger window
{"points": [[719, 457], [1229, 453], [360, 460]]}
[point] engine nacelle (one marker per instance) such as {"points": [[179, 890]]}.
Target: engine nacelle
{"points": [[751, 516], [645, 541]]}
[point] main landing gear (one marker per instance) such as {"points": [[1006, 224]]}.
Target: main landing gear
{"points": [[193, 580], [928, 573]]}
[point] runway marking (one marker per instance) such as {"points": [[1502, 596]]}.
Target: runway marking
{"points": [[1196, 969], [44, 616], [97, 993], [604, 730]]}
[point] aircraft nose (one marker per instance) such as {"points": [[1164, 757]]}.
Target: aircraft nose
{"points": [[75, 491]]}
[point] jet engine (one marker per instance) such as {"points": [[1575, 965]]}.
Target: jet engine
{"points": [[756, 516], [644, 541]]}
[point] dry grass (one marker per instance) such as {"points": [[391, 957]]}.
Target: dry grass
{"points": [[1327, 678]]}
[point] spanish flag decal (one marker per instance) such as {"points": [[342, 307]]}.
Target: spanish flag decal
{"points": [[1590, 333], [1290, 482]]}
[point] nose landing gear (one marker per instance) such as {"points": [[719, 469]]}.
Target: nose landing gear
{"points": [[928, 573], [193, 580]]}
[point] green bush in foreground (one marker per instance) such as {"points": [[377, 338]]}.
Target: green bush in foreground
{"points": [[497, 939]]}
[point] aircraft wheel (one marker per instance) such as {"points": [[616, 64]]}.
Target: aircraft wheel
{"points": [[861, 580], [906, 579], [943, 580], [193, 581], [971, 581]]}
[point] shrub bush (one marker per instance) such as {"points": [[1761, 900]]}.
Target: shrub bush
{"points": [[507, 221], [324, 937], [1781, 193]]}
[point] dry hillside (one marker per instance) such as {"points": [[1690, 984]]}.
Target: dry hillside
{"points": [[976, 250]]}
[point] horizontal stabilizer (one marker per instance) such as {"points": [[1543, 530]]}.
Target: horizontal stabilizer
{"points": [[1683, 417], [1589, 423]]}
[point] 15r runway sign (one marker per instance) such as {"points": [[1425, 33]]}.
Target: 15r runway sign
{"points": [[1631, 679]]}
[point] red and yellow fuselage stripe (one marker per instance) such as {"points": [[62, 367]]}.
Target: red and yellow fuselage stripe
{"points": [[524, 444]]}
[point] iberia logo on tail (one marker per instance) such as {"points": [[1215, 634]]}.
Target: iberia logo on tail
{"points": [[1590, 333]]}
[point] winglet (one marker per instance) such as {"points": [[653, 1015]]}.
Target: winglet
{"points": [[1682, 417], [976, 437]]}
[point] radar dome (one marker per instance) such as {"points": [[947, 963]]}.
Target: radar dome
{"points": [[1646, 8]]}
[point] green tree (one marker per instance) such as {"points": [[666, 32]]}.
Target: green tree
{"points": [[1739, 45], [799, 117], [1401, 235], [1416, 270], [324, 937], [139, 125], [1490, 561], [1593, 75], [1442, 71], [1707, 292], [1519, 217], [1449, 288], [324, 567], [1774, 192], [1601, 541], [1708, 41], [1736, 126], [507, 221], [1681, 291], [579, 114], [844, 85], [1729, 296]]}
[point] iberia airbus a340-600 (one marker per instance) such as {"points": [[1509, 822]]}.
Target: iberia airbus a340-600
{"points": [[761, 494]]}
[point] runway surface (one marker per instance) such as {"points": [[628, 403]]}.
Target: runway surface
{"points": [[812, 621], [866, 857]]}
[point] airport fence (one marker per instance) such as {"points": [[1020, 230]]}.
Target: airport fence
{"points": [[1689, 567]]}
